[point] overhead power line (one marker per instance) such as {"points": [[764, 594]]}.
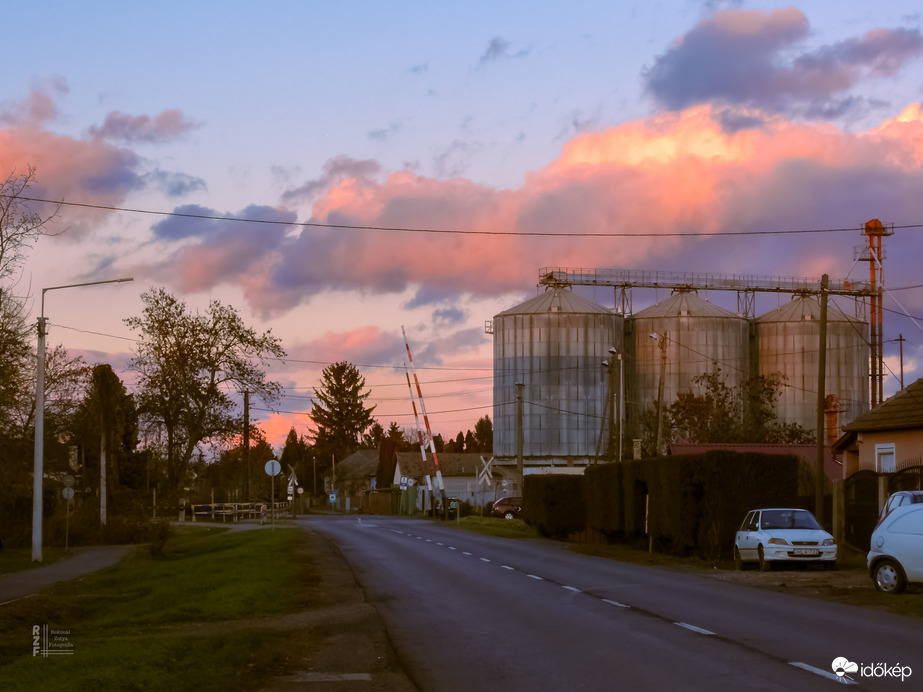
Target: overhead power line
{"points": [[450, 231]]}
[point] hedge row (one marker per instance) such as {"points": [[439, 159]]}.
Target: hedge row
{"points": [[690, 504]]}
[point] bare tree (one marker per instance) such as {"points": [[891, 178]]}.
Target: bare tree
{"points": [[20, 225]]}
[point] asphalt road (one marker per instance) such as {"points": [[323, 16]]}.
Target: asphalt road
{"points": [[466, 611]]}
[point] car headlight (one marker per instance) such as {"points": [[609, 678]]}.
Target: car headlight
{"points": [[777, 541], [829, 541]]}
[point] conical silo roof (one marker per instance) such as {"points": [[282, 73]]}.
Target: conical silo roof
{"points": [[684, 303], [804, 309], [556, 300]]}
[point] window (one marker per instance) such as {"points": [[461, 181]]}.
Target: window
{"points": [[912, 522], [884, 458]]}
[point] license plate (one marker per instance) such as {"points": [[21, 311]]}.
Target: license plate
{"points": [[804, 552]]}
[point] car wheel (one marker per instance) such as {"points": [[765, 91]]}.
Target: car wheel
{"points": [[765, 565], [889, 577], [738, 560], [509, 515]]}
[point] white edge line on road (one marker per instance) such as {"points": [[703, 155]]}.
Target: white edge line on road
{"points": [[616, 603], [535, 576], [484, 559], [507, 567], [823, 673], [693, 628], [571, 588], [21, 598]]}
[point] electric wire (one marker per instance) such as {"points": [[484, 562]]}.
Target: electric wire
{"points": [[450, 231]]}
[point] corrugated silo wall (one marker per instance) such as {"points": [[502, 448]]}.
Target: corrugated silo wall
{"points": [[558, 358], [792, 348], [695, 344]]}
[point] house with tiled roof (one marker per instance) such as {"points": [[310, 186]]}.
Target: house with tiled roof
{"points": [[887, 438], [356, 475]]}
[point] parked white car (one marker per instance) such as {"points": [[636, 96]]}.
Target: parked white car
{"points": [[896, 554], [899, 499], [770, 536]]}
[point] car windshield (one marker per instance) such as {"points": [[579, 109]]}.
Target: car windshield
{"points": [[788, 519]]}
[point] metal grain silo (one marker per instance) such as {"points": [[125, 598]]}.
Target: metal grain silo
{"points": [[788, 340], [554, 344], [678, 339]]}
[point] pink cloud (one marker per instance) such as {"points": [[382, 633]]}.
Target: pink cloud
{"points": [[672, 172]]}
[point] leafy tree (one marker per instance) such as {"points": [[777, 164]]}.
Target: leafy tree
{"points": [[339, 412], [721, 414], [187, 363], [107, 417], [372, 439], [297, 454], [471, 444], [484, 435], [16, 366]]}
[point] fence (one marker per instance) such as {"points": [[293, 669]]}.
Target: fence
{"points": [[239, 510]]}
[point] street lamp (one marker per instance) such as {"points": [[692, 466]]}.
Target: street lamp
{"points": [[38, 470], [662, 343], [609, 407], [621, 414]]}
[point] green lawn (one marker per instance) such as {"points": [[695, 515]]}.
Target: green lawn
{"points": [[169, 623]]}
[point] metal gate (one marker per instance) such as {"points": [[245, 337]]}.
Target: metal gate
{"points": [[861, 499], [861, 507]]}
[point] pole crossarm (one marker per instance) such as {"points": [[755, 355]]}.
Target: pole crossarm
{"points": [[640, 278]]}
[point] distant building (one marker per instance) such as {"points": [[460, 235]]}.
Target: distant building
{"points": [[887, 438]]}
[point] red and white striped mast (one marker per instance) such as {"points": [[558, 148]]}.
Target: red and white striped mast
{"points": [[428, 440]]}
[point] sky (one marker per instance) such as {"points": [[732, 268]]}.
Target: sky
{"points": [[502, 137]]}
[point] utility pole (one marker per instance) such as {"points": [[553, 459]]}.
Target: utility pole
{"points": [[610, 448], [821, 395], [247, 440], [662, 343], [900, 339], [519, 468]]}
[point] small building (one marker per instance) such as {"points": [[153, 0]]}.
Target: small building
{"points": [[887, 438], [356, 476]]}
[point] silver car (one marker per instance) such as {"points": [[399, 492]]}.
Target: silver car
{"points": [[896, 555], [770, 536]]}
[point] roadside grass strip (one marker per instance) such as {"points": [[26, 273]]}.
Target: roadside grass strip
{"points": [[181, 621]]}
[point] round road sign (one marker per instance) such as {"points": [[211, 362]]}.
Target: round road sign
{"points": [[68, 493], [273, 467], [68, 481]]}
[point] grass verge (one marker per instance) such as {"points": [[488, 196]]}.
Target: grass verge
{"points": [[502, 528], [169, 623]]}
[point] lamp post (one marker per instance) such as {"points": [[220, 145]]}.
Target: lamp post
{"points": [[38, 470], [621, 395], [662, 344]]}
